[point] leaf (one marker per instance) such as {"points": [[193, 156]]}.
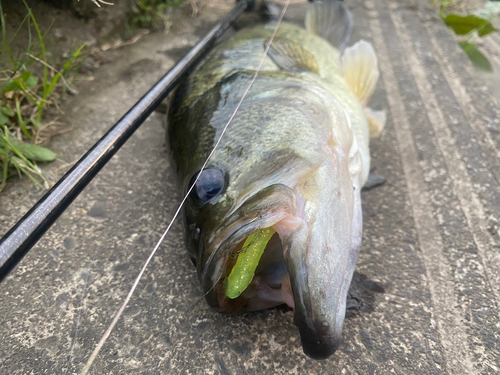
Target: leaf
{"points": [[465, 24], [20, 120], [72, 58], [31, 82], [21, 82], [479, 60], [7, 111], [19, 162], [66, 67], [11, 86], [26, 169], [36, 153], [3, 118], [25, 76]]}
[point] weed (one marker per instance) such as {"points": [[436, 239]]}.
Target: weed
{"points": [[470, 26], [153, 13], [28, 86]]}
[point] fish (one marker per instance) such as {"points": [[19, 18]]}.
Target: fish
{"points": [[275, 216]]}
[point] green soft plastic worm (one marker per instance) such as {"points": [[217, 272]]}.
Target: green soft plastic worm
{"points": [[248, 259]]}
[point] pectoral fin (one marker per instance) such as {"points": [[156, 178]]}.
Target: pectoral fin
{"points": [[360, 66], [291, 56], [373, 181]]}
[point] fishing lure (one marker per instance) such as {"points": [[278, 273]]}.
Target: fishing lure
{"points": [[248, 259]]}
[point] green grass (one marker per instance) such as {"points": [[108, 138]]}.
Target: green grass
{"points": [[29, 85]]}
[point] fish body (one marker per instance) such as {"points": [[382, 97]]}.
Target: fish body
{"points": [[294, 159]]}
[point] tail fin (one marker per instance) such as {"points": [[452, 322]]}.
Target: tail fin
{"points": [[331, 20]]}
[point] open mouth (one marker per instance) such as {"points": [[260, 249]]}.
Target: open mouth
{"points": [[257, 270], [256, 276]]}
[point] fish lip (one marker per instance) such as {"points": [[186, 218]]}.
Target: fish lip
{"points": [[318, 341], [317, 344], [264, 209]]}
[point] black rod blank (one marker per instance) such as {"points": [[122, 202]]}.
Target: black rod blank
{"points": [[24, 235]]}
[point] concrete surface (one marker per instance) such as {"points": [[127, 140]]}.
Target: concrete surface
{"points": [[428, 302], [491, 47]]}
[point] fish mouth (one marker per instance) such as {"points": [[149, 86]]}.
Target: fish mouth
{"points": [[307, 273], [272, 207]]}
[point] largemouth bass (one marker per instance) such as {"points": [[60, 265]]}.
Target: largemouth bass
{"points": [[276, 215]]}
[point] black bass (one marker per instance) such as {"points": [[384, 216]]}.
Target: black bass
{"points": [[276, 215]]}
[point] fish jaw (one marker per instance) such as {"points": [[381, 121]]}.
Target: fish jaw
{"points": [[320, 256]]}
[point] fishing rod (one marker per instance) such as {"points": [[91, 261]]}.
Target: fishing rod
{"points": [[33, 225]]}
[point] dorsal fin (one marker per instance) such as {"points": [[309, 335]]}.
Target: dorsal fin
{"points": [[331, 20], [291, 56], [360, 66]]}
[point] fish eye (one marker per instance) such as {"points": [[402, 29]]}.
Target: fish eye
{"points": [[209, 184]]}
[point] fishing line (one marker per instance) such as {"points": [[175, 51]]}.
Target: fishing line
{"points": [[86, 280], [139, 276]]}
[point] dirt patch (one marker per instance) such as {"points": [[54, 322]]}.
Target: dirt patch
{"points": [[70, 24], [48, 49]]}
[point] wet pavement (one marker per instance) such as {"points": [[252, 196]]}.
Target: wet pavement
{"points": [[425, 297]]}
